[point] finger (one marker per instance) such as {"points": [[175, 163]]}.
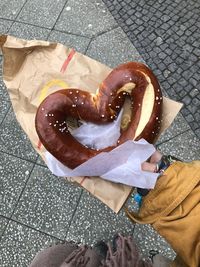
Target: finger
{"points": [[149, 167]]}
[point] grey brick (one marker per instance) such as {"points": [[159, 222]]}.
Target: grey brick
{"points": [[194, 126], [197, 115], [189, 118], [196, 51], [162, 55], [194, 92], [129, 21], [196, 102]]}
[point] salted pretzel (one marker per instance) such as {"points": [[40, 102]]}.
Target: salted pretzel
{"points": [[132, 79]]}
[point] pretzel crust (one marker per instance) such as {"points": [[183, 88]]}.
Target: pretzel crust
{"points": [[133, 79]]}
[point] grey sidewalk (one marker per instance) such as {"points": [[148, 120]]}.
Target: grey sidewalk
{"points": [[37, 208]]}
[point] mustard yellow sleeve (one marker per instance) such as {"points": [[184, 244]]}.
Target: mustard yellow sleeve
{"points": [[173, 209]]}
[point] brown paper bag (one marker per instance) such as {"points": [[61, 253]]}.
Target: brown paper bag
{"points": [[34, 69]]}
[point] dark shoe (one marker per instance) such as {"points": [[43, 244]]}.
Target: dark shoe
{"points": [[101, 249], [153, 253]]}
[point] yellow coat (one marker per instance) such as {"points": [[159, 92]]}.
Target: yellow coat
{"points": [[173, 209]]}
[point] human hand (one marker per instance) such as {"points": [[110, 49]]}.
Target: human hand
{"points": [[151, 165]]}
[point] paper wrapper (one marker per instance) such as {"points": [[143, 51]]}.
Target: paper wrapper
{"points": [[34, 69]]}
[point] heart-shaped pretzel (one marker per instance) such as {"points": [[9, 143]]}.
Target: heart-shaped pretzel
{"points": [[133, 79]]}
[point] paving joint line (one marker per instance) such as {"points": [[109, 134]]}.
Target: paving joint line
{"points": [[28, 226], [106, 31], [21, 9], [61, 31], [40, 165], [22, 191], [15, 156], [5, 115], [11, 20], [163, 142], [87, 48], [70, 33], [1, 18], [45, 28], [74, 213], [10, 217], [59, 14]]}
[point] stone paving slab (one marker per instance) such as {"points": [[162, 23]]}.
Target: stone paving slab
{"points": [[10, 9], [5, 103], [4, 25], [147, 239], [94, 221], [40, 161], [87, 18], [19, 244], [79, 43], [14, 141], [113, 48], [41, 13], [184, 146], [47, 203], [14, 173], [26, 31], [178, 126], [3, 224]]}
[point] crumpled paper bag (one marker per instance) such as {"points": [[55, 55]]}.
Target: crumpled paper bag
{"points": [[34, 69]]}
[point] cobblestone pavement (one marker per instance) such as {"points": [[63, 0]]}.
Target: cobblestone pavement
{"points": [[38, 208], [167, 35]]}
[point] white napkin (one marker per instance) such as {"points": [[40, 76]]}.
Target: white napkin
{"points": [[121, 165]]}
